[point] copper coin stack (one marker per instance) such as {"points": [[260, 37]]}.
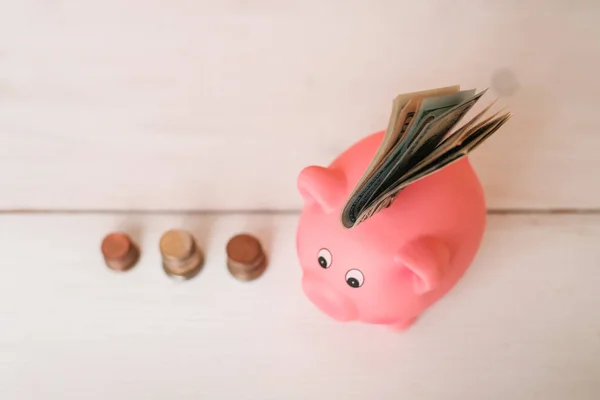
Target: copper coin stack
{"points": [[119, 251], [246, 259], [181, 257]]}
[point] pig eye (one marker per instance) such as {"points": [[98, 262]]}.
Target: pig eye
{"points": [[324, 258], [354, 278]]}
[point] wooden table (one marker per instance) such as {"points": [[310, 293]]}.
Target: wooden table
{"points": [[147, 116]]}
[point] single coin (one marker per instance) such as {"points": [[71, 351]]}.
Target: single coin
{"points": [[246, 259], [181, 257], [119, 251]]}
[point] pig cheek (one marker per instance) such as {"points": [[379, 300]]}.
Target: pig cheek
{"points": [[384, 299], [328, 298]]}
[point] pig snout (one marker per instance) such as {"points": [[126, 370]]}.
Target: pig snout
{"points": [[328, 299]]}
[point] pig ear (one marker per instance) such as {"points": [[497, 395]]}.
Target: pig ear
{"points": [[427, 259], [323, 186]]}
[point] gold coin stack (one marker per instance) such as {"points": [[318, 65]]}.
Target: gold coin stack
{"points": [[181, 257]]}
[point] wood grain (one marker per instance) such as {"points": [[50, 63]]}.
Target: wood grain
{"points": [[218, 105], [522, 324]]}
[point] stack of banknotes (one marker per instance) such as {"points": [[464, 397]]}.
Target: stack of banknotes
{"points": [[422, 137]]}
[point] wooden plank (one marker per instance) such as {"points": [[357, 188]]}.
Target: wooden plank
{"points": [[522, 324], [218, 105]]}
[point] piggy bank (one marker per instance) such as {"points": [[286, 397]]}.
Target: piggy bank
{"points": [[390, 268]]}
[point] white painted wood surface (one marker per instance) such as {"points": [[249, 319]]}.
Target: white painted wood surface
{"points": [[522, 324], [218, 105], [198, 105]]}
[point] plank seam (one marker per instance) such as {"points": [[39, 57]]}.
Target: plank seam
{"points": [[492, 211]]}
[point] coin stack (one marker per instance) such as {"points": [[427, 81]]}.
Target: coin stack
{"points": [[119, 251], [181, 257], [246, 259]]}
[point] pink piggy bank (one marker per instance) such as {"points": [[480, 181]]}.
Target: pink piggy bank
{"points": [[392, 267]]}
